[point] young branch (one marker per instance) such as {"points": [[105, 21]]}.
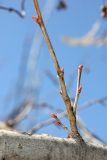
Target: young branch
{"points": [[58, 122], [78, 90], [74, 131]]}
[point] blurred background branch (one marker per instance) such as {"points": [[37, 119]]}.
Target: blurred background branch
{"points": [[21, 12]]}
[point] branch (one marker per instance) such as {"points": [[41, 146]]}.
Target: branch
{"points": [[78, 90], [74, 133]]}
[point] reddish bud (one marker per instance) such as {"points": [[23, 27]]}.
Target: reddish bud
{"points": [[80, 67], [79, 89], [58, 123], [54, 116], [36, 18]]}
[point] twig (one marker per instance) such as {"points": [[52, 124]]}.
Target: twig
{"points": [[74, 132], [58, 122], [45, 123], [78, 90]]}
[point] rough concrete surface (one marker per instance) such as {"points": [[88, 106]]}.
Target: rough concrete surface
{"points": [[16, 146]]}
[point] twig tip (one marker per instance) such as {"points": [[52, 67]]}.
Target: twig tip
{"points": [[53, 115], [80, 67], [58, 123]]}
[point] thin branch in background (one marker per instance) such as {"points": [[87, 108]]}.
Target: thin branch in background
{"points": [[78, 89], [51, 77], [89, 38], [21, 114], [21, 80], [71, 80], [74, 131], [49, 106], [23, 111], [23, 5], [102, 101], [88, 136], [20, 12]]}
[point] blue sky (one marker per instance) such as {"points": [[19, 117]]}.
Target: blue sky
{"points": [[75, 21]]}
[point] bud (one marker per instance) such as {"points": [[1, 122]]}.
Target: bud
{"points": [[36, 18], [58, 123], [80, 67], [79, 89], [54, 116]]}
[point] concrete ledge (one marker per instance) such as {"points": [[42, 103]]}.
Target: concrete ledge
{"points": [[16, 146]]}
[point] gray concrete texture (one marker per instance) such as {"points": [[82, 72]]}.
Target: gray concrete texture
{"points": [[17, 146]]}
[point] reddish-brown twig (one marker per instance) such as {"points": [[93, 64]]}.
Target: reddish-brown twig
{"points": [[72, 118]]}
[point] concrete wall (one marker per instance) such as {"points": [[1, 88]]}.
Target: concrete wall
{"points": [[16, 146]]}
